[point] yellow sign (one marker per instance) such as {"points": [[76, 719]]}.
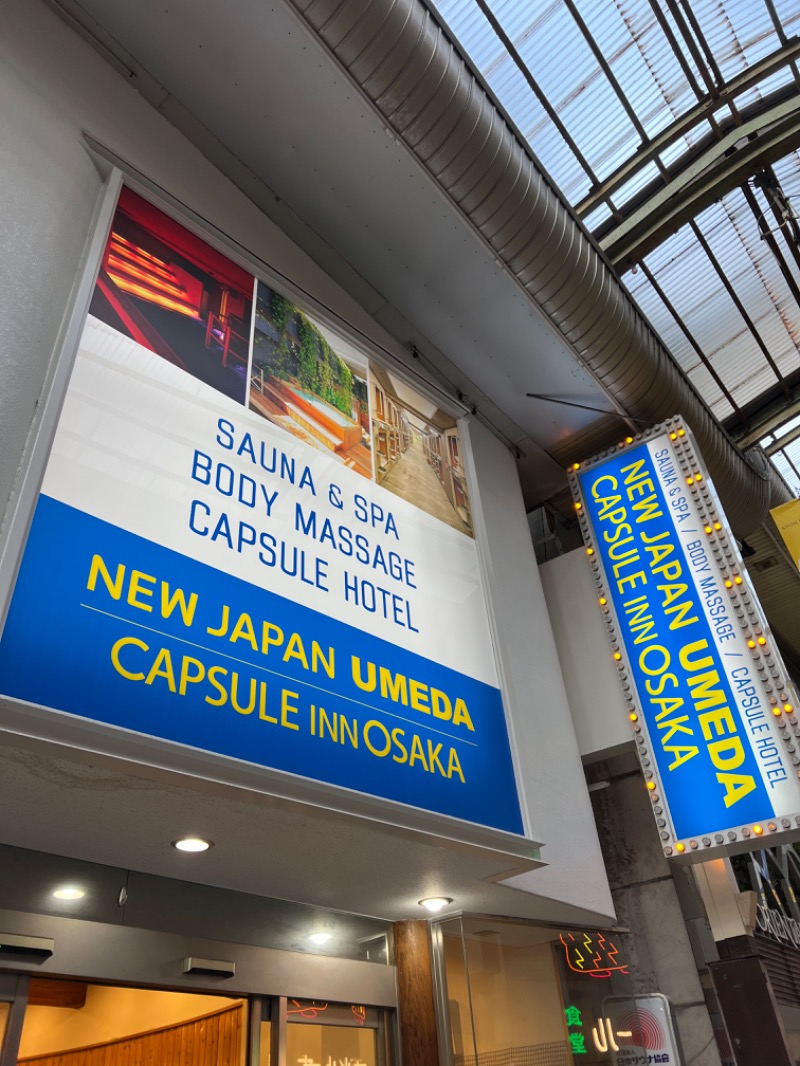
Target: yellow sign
{"points": [[787, 519]]}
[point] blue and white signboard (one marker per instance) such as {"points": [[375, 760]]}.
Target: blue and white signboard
{"points": [[708, 697], [226, 554]]}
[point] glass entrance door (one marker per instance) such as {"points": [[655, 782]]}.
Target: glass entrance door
{"points": [[301, 1032], [330, 1045], [52, 1022], [331, 1034]]}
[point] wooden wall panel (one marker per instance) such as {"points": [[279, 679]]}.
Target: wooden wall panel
{"points": [[213, 1040], [45, 992]]}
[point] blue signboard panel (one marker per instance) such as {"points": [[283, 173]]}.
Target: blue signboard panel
{"points": [[130, 633], [250, 542], [681, 643]]}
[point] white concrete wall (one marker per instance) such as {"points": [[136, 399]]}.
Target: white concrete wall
{"points": [[53, 87], [593, 689], [48, 193], [549, 764]]}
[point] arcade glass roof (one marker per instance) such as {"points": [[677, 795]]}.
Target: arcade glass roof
{"points": [[672, 128]]}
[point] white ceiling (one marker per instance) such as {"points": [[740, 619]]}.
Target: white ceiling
{"points": [[262, 84], [123, 813]]}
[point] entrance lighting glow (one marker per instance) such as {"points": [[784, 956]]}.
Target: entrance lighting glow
{"points": [[435, 903], [192, 844], [319, 938], [69, 892]]}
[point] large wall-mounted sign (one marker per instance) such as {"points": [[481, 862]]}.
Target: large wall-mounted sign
{"points": [[253, 540], [707, 694]]}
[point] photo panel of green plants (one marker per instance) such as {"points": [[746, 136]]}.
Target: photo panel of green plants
{"points": [[317, 386], [310, 383]]}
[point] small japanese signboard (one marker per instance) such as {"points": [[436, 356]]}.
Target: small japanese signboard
{"points": [[628, 1031]]}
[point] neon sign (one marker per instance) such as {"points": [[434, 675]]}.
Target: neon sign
{"points": [[592, 954], [359, 1013], [308, 1010]]}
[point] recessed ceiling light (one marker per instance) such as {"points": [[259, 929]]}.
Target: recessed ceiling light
{"points": [[435, 903], [69, 892], [192, 844], [320, 938]]}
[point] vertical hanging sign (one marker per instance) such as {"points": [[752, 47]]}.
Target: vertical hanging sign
{"points": [[709, 699]]}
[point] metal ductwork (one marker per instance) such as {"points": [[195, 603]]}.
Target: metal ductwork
{"points": [[398, 54]]}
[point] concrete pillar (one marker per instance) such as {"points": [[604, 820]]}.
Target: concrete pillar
{"points": [[663, 940]]}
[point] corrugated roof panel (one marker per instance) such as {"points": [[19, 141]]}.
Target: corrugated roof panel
{"points": [[738, 32], [679, 347], [738, 360], [686, 57], [777, 337], [757, 384], [563, 62], [605, 146], [788, 173], [708, 388], [597, 217], [739, 363], [779, 343], [790, 475], [764, 287], [639, 181], [739, 271], [755, 276], [520, 101], [671, 332], [641, 59], [673, 152], [470, 27], [551, 44], [766, 87], [789, 14], [715, 324], [680, 267], [781, 431], [637, 283]]}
